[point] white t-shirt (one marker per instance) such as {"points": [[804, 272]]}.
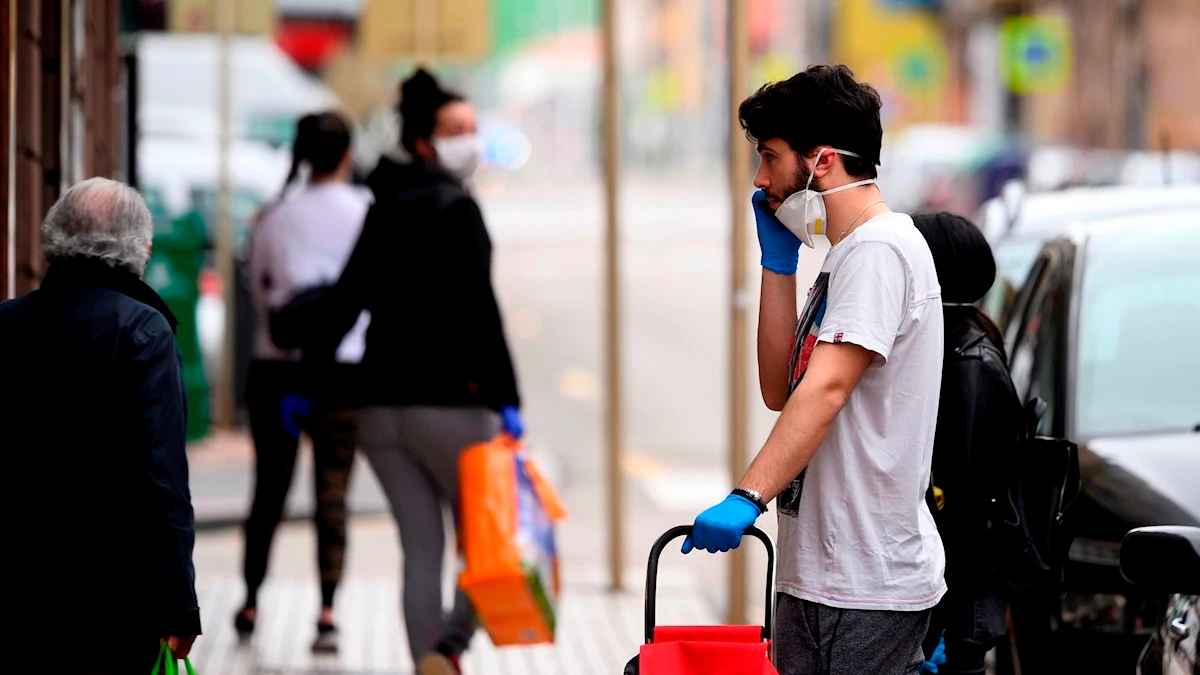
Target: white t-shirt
{"points": [[854, 528], [303, 242]]}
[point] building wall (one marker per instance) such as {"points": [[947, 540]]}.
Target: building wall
{"points": [[1134, 81], [1168, 41], [6, 47], [61, 105]]}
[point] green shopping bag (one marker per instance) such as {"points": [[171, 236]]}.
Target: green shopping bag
{"points": [[171, 668]]}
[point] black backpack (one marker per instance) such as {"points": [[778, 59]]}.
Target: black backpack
{"points": [[1029, 524], [1043, 482]]}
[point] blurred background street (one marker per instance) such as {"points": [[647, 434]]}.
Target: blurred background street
{"points": [[1029, 116]]}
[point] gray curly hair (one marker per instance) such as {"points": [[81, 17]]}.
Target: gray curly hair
{"points": [[99, 218]]}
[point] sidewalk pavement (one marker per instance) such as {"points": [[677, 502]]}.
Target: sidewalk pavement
{"points": [[599, 632]]}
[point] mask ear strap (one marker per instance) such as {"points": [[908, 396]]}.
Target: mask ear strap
{"points": [[847, 186]]}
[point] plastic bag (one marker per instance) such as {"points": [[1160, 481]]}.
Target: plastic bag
{"points": [[508, 512]]}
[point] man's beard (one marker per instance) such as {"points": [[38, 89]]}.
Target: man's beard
{"points": [[799, 180]]}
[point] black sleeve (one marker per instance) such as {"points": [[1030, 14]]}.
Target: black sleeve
{"points": [[476, 278], [157, 373], [341, 304]]}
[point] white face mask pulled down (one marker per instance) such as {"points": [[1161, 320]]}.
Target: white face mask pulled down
{"points": [[803, 212], [459, 155]]}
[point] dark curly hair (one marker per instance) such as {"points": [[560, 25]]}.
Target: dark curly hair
{"points": [[823, 105]]}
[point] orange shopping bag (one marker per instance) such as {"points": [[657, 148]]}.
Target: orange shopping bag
{"points": [[508, 511]]}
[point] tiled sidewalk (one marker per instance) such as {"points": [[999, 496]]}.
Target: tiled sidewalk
{"points": [[598, 633]]}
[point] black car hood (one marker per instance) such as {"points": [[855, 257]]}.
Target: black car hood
{"points": [[1141, 480]]}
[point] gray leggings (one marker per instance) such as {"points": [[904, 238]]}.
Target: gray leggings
{"points": [[414, 451]]}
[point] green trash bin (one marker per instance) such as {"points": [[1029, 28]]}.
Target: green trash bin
{"points": [[174, 270]]}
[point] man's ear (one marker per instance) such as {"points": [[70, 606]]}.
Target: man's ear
{"points": [[825, 157]]}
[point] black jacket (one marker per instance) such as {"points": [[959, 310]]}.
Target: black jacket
{"points": [[422, 267], [979, 423], [100, 527]]}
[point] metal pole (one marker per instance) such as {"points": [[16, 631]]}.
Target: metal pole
{"points": [[739, 171], [225, 254], [132, 98], [612, 297]]}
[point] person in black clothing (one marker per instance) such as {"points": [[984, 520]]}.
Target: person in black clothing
{"points": [[93, 417], [437, 376], [978, 425]]}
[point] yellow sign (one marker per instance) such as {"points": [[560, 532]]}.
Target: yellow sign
{"points": [[251, 17], [394, 29], [901, 52]]}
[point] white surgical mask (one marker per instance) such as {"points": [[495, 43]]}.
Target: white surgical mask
{"points": [[803, 212], [458, 155]]}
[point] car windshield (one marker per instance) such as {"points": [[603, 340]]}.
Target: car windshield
{"points": [[1138, 358]]}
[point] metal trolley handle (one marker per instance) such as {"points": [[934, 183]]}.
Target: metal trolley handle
{"points": [[683, 530]]}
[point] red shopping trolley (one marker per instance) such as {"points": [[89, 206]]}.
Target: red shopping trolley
{"points": [[705, 650]]}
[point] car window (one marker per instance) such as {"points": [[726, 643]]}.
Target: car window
{"points": [[1138, 355], [1047, 366], [1029, 329], [1021, 303], [1015, 261]]}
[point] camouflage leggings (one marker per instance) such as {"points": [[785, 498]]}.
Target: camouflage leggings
{"points": [[333, 434]]}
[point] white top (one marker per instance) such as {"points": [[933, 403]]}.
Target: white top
{"points": [[854, 529], [303, 242]]}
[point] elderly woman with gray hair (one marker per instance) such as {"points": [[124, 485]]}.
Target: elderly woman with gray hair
{"points": [[101, 527]]}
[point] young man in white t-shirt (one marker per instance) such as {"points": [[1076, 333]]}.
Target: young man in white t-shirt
{"points": [[856, 375]]}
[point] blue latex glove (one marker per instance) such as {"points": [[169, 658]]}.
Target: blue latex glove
{"points": [[721, 527], [294, 411], [938, 658], [780, 248], [510, 418]]}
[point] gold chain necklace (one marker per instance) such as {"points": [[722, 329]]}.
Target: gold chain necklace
{"points": [[855, 221]]}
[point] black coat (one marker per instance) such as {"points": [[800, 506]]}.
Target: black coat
{"points": [[100, 528], [422, 267], [978, 426]]}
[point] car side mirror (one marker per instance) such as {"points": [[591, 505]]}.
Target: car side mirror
{"points": [[1163, 559]]}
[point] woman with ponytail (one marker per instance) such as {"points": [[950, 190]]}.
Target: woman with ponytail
{"points": [[301, 241], [437, 375]]}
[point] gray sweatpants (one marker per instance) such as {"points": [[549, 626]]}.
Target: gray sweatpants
{"points": [[414, 451], [813, 639]]}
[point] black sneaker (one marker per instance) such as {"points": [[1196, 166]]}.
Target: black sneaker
{"points": [[327, 639]]}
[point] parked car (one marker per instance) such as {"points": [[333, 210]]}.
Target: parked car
{"points": [[1167, 560], [1106, 331], [1017, 223]]}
